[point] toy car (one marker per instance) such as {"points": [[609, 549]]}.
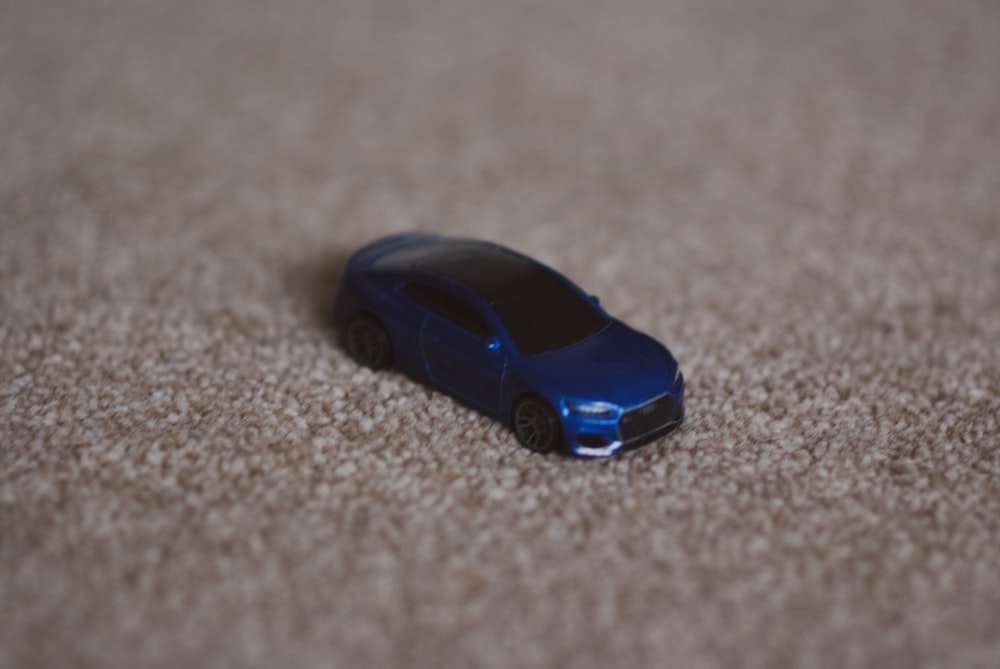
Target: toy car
{"points": [[510, 337]]}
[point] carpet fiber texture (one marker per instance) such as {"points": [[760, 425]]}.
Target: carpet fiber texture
{"points": [[800, 198]]}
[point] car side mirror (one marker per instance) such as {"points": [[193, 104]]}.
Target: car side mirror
{"points": [[491, 343]]}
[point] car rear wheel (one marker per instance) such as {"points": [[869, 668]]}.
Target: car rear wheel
{"points": [[368, 343], [536, 425]]}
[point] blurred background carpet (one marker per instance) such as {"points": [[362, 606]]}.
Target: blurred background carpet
{"points": [[800, 198]]}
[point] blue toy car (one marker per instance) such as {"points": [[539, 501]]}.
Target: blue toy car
{"points": [[511, 337]]}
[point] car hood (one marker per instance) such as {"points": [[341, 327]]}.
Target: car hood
{"points": [[618, 365]]}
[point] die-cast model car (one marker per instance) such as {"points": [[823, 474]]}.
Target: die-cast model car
{"points": [[510, 337]]}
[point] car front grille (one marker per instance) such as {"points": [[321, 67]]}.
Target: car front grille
{"points": [[647, 418]]}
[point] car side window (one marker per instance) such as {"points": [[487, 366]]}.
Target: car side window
{"points": [[448, 306]]}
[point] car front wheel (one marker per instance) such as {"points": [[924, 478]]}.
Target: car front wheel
{"points": [[536, 425], [368, 343]]}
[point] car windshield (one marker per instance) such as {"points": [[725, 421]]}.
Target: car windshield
{"points": [[548, 315]]}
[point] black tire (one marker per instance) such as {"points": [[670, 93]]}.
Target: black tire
{"points": [[368, 343], [536, 425]]}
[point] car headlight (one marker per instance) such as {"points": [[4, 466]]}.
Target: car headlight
{"points": [[591, 409]]}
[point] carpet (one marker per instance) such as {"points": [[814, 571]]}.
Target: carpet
{"points": [[800, 198]]}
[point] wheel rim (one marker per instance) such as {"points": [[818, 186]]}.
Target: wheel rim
{"points": [[535, 426], [367, 343]]}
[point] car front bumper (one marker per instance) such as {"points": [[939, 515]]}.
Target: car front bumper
{"points": [[603, 438]]}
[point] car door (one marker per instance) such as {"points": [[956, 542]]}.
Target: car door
{"points": [[454, 341]]}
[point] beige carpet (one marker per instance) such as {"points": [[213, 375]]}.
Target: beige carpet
{"points": [[801, 199]]}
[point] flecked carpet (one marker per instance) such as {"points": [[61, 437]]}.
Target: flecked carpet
{"points": [[800, 198]]}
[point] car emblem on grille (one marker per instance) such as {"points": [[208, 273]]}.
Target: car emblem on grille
{"points": [[646, 410]]}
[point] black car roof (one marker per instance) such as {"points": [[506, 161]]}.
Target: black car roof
{"points": [[491, 270]]}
